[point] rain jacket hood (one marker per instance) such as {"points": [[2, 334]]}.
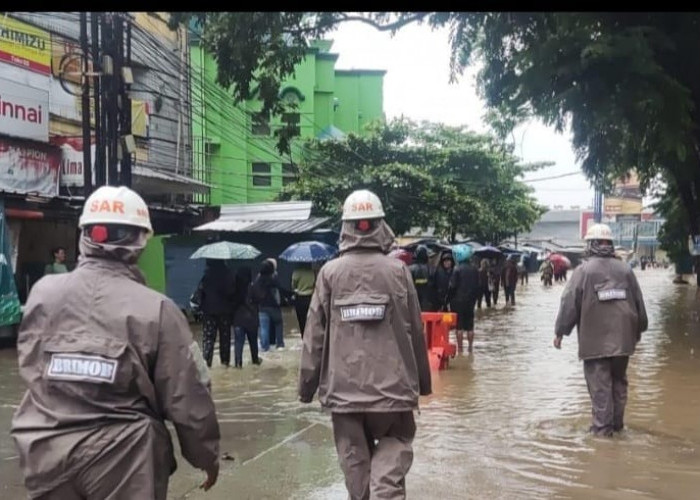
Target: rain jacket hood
{"points": [[381, 237], [422, 255]]}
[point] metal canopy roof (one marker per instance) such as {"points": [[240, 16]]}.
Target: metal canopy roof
{"points": [[282, 217]]}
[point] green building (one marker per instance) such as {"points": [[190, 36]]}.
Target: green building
{"points": [[234, 147]]}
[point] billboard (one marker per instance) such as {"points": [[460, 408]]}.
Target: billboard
{"points": [[24, 111], [626, 197], [27, 167], [24, 45]]}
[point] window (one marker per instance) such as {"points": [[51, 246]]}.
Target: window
{"points": [[261, 175], [290, 172], [292, 121], [260, 124]]}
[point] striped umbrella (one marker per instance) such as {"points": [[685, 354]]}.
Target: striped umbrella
{"points": [[308, 251], [226, 250]]}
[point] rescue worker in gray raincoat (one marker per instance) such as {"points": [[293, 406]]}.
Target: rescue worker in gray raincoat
{"points": [[106, 360], [604, 301], [364, 350]]}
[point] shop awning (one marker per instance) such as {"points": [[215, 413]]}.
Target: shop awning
{"points": [[148, 181]]}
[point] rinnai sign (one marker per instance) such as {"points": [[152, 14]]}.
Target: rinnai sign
{"points": [[24, 45], [24, 111], [72, 160], [27, 167]]}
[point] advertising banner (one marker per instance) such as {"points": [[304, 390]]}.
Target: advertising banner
{"points": [[24, 45], [27, 167], [72, 160], [626, 197], [24, 111]]}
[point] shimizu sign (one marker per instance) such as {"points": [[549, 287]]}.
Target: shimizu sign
{"points": [[24, 111], [24, 45]]}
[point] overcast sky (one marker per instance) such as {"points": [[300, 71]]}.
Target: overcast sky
{"points": [[417, 85]]}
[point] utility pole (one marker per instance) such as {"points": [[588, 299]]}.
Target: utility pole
{"points": [[126, 80], [109, 95], [100, 157], [85, 80], [598, 201]]}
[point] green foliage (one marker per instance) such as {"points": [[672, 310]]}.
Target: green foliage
{"points": [[624, 82], [427, 175]]}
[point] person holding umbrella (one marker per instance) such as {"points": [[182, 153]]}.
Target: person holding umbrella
{"points": [[303, 282], [306, 254], [216, 295], [218, 290]]}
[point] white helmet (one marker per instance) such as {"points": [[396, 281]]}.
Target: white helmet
{"points": [[116, 205], [361, 205], [599, 232]]}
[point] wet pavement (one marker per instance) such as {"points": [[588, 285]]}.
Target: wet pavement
{"points": [[508, 421]]}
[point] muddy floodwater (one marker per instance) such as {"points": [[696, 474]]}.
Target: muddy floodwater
{"points": [[508, 421]]}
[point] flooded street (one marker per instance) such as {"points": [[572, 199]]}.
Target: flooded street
{"points": [[508, 421]]}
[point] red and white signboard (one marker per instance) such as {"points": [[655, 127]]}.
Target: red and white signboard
{"points": [[24, 111], [72, 160], [27, 167]]}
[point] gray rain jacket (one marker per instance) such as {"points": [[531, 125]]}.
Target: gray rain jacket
{"points": [[364, 346], [604, 301], [103, 355]]}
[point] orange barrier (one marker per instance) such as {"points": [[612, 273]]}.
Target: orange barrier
{"points": [[437, 326]]}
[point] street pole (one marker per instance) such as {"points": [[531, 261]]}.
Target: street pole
{"points": [[85, 80], [110, 70], [598, 202], [95, 22], [126, 111]]}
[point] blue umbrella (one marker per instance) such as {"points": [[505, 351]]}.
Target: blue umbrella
{"points": [[308, 251]]}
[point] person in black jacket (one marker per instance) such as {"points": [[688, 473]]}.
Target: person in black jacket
{"points": [[245, 317], [267, 287], [464, 290], [217, 309], [420, 271], [441, 282]]}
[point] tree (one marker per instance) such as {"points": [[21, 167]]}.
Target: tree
{"points": [[427, 175], [624, 82]]}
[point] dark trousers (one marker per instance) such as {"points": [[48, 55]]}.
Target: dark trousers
{"points": [[375, 452], [510, 294], [240, 335], [494, 294], [524, 277], [301, 304], [484, 293], [607, 385], [210, 326]]}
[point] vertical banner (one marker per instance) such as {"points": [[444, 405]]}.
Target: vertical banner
{"points": [[10, 309]]}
